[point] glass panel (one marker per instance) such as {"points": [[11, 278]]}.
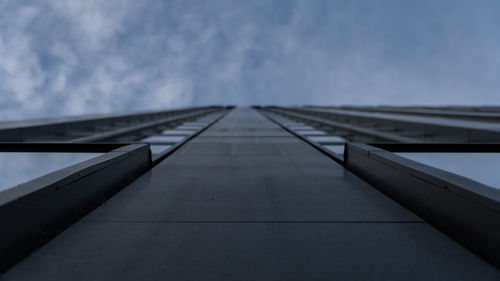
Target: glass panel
{"points": [[289, 123], [311, 132], [163, 139], [197, 124], [338, 149], [177, 132], [301, 128], [20, 167], [189, 127], [157, 148], [481, 167], [322, 139]]}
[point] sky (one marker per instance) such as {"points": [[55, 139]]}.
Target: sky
{"points": [[60, 57]]}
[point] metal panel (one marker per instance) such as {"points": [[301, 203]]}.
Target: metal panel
{"points": [[402, 125], [466, 210], [71, 128], [34, 212]]}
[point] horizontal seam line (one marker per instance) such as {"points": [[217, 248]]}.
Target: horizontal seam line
{"points": [[263, 221]]}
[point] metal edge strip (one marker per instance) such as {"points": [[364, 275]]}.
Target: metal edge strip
{"points": [[29, 221], [467, 221]]}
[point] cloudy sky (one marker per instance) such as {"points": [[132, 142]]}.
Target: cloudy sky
{"points": [[60, 57]]}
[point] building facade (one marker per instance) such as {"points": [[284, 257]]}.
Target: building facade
{"points": [[264, 192]]}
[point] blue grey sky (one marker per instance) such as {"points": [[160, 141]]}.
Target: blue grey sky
{"points": [[60, 57]]}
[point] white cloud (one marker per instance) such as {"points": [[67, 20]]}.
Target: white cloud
{"points": [[20, 72], [96, 21], [72, 57]]}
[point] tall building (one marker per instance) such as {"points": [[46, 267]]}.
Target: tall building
{"points": [[261, 193]]}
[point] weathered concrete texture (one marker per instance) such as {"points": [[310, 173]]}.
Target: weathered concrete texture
{"points": [[247, 201]]}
